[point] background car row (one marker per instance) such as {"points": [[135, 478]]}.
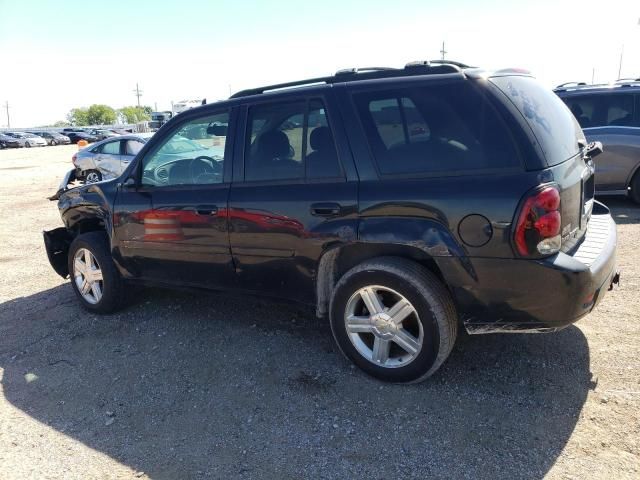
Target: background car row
{"points": [[41, 138]]}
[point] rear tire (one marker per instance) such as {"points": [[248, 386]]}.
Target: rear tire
{"points": [[415, 326], [27, 144], [635, 187], [92, 176], [94, 276]]}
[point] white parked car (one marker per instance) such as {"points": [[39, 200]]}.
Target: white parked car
{"points": [[28, 139], [183, 105], [108, 158]]}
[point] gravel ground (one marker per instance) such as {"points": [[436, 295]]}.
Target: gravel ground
{"points": [[212, 386]]}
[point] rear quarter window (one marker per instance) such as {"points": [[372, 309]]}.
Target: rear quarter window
{"points": [[435, 130], [554, 126]]}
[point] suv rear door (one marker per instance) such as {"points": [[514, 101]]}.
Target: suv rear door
{"points": [[108, 158], [294, 193]]}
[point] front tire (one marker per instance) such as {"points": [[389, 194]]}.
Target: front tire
{"points": [[394, 319], [635, 187], [94, 276]]}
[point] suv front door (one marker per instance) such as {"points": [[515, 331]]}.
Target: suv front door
{"points": [[172, 227], [294, 195]]}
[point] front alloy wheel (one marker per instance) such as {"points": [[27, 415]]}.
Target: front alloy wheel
{"points": [[87, 275], [94, 276]]}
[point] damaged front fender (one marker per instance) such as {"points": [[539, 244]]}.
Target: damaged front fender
{"points": [[57, 243]]}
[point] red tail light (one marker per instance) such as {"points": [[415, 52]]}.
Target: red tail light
{"points": [[73, 159], [538, 226]]}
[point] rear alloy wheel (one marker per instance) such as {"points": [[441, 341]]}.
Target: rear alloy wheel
{"points": [[93, 176], [394, 319], [27, 144], [378, 318]]}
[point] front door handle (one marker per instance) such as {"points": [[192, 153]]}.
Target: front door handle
{"points": [[206, 210], [325, 209]]}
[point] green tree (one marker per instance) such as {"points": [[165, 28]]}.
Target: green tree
{"points": [[101, 115], [61, 123], [94, 115], [78, 116], [134, 114]]}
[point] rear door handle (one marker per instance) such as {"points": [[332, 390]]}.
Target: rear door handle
{"points": [[325, 209], [206, 210]]}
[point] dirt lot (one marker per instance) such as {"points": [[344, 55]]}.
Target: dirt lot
{"points": [[194, 386]]}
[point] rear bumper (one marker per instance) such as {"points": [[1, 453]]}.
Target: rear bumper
{"points": [[513, 295]]}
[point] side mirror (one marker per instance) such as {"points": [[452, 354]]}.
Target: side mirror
{"points": [[217, 130], [594, 149], [129, 183]]}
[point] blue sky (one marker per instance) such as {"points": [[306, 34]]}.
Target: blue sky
{"points": [[57, 55]]}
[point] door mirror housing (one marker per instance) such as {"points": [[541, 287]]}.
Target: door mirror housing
{"points": [[128, 183], [217, 130]]}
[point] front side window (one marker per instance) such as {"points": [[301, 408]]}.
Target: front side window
{"points": [[584, 109], [111, 148], [290, 141], [434, 129], [192, 155]]}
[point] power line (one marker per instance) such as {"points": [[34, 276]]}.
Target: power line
{"points": [[138, 93]]}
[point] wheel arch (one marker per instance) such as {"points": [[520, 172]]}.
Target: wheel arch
{"points": [[337, 261]]}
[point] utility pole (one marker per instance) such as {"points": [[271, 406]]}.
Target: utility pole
{"points": [[593, 75], [620, 64], [443, 51], [156, 106], [138, 93], [6, 106]]}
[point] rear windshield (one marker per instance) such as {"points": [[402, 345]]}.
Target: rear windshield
{"points": [[553, 125], [434, 130]]}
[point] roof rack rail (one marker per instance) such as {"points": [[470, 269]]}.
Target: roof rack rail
{"points": [[451, 62], [353, 71], [347, 74], [567, 84]]}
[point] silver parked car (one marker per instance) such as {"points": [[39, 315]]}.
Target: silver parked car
{"points": [[610, 114], [28, 139], [108, 158]]}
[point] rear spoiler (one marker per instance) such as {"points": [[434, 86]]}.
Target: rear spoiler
{"points": [[69, 177]]}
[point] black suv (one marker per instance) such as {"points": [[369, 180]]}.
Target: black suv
{"points": [[399, 202]]}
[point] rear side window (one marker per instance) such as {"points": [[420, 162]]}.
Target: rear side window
{"points": [[132, 147], [553, 125], [434, 129], [618, 110]]}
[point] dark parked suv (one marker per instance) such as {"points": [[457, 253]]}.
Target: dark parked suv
{"points": [[401, 203]]}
